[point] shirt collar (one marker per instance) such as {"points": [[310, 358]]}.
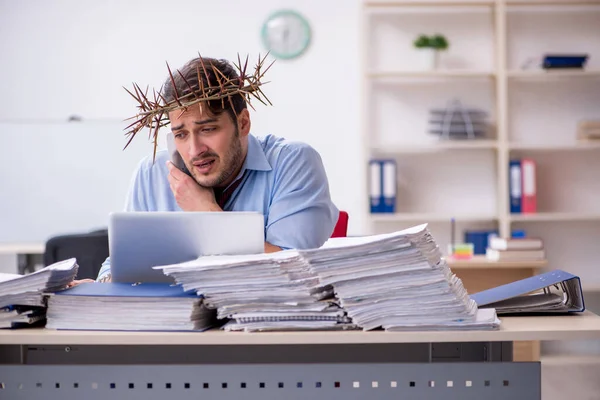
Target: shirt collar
{"points": [[255, 158]]}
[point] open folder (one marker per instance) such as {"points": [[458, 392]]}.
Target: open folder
{"points": [[552, 292]]}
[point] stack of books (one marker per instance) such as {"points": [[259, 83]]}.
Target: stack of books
{"points": [[22, 297], [127, 307], [588, 130], [515, 249], [262, 292]]}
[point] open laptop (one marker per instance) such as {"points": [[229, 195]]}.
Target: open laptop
{"points": [[139, 241]]}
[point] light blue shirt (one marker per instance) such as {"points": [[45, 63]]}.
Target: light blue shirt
{"points": [[285, 181]]}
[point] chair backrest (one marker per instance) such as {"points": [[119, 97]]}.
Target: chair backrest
{"points": [[90, 249], [341, 227]]}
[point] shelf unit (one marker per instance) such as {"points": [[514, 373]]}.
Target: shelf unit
{"points": [[533, 113], [431, 217]]}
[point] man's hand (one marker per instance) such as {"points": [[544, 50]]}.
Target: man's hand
{"points": [[189, 195], [77, 282], [269, 248]]}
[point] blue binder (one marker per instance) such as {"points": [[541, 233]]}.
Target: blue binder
{"points": [[382, 191], [560, 293], [115, 289], [515, 185]]}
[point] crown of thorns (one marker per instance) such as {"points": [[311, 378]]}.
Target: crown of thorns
{"points": [[154, 109]]}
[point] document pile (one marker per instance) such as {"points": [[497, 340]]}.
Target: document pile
{"points": [[129, 307], [262, 292], [22, 296], [397, 281]]}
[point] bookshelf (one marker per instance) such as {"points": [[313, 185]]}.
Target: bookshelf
{"points": [[532, 113]]}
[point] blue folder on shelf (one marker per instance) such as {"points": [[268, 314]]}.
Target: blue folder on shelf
{"points": [[553, 292]]}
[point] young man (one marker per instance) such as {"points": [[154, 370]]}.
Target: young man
{"points": [[232, 170]]}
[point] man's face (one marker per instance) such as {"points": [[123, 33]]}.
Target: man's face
{"points": [[210, 145]]}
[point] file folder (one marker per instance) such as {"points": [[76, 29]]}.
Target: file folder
{"points": [[376, 186], [515, 186], [383, 184], [554, 292], [389, 186], [528, 178]]}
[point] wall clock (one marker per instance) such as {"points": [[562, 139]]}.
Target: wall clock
{"points": [[286, 34]]}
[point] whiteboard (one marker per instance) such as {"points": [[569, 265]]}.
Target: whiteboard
{"points": [[58, 178]]}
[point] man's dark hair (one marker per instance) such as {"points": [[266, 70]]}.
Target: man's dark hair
{"points": [[209, 79]]}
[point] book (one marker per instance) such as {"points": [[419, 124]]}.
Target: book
{"points": [[554, 292], [526, 243], [515, 255]]}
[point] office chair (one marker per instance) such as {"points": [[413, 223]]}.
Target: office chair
{"points": [[90, 249], [341, 227]]}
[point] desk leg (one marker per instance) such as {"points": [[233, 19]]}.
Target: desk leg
{"points": [[478, 279]]}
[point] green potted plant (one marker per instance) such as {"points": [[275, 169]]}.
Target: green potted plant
{"points": [[431, 45]]}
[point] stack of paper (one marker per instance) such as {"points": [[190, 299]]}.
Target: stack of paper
{"points": [[22, 296], [17, 317], [397, 281], [129, 307], [261, 292]]}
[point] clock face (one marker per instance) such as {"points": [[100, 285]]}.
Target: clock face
{"points": [[286, 34]]}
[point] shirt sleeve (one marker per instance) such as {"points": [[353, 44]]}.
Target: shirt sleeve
{"points": [[136, 200], [301, 215]]}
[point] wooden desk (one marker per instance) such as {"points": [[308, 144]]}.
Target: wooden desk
{"points": [[27, 254], [479, 274], [46, 364], [581, 326]]}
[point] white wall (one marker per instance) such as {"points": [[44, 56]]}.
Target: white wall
{"points": [[70, 57]]}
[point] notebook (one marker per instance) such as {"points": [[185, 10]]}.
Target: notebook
{"points": [[554, 292]]}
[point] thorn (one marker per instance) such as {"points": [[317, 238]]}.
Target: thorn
{"points": [[174, 86]]}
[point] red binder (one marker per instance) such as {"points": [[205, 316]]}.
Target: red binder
{"points": [[529, 189]]}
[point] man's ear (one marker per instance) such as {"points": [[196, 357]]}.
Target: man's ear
{"points": [[243, 119]]}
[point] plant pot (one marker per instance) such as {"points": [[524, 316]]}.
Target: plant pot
{"points": [[426, 59]]}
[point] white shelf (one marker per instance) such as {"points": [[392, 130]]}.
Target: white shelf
{"points": [[431, 217], [553, 74], [552, 2], [441, 73], [555, 217], [555, 147], [533, 112], [481, 144], [429, 3], [22, 248]]}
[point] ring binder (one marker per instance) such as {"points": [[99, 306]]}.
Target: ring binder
{"points": [[554, 292]]}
